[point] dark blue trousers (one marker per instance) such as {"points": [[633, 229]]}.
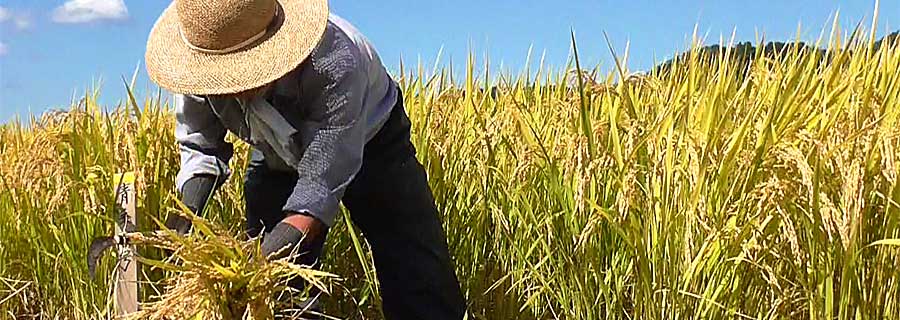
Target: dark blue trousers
{"points": [[391, 202]]}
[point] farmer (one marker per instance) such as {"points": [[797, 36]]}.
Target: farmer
{"points": [[327, 125]]}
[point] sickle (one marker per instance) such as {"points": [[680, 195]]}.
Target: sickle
{"points": [[98, 246]]}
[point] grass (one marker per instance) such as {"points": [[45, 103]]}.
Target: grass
{"points": [[699, 192]]}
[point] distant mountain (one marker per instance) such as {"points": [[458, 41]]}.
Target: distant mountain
{"points": [[893, 37], [745, 52]]}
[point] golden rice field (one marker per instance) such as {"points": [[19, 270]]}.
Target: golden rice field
{"points": [[699, 192]]}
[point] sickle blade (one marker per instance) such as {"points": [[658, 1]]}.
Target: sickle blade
{"points": [[98, 246]]}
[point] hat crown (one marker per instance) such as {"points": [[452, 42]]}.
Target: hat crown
{"points": [[220, 24]]}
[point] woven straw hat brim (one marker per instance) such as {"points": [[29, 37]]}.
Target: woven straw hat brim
{"points": [[173, 65]]}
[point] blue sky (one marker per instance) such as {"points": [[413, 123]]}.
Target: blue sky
{"points": [[52, 49]]}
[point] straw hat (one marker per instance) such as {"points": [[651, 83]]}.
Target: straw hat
{"points": [[211, 47]]}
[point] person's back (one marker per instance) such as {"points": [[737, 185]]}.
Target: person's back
{"points": [[327, 125]]}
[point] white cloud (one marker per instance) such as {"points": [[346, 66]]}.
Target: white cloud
{"points": [[20, 21], [4, 14], [3, 48], [84, 11]]}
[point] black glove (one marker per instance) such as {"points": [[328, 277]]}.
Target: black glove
{"points": [[286, 240], [283, 239], [194, 195]]}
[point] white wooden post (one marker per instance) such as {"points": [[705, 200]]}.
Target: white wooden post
{"points": [[126, 286]]}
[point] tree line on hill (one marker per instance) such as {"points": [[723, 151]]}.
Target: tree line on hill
{"points": [[746, 52]]}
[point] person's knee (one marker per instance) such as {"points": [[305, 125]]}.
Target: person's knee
{"points": [[254, 174], [256, 167]]}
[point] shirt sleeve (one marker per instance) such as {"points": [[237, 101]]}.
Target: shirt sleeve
{"points": [[201, 140], [333, 145]]}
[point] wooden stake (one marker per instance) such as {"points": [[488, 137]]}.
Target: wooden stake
{"points": [[126, 299]]}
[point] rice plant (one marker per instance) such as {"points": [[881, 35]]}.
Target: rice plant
{"points": [[715, 188], [216, 275]]}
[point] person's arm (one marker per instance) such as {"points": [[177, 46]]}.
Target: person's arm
{"points": [[333, 152], [204, 155], [333, 147]]}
